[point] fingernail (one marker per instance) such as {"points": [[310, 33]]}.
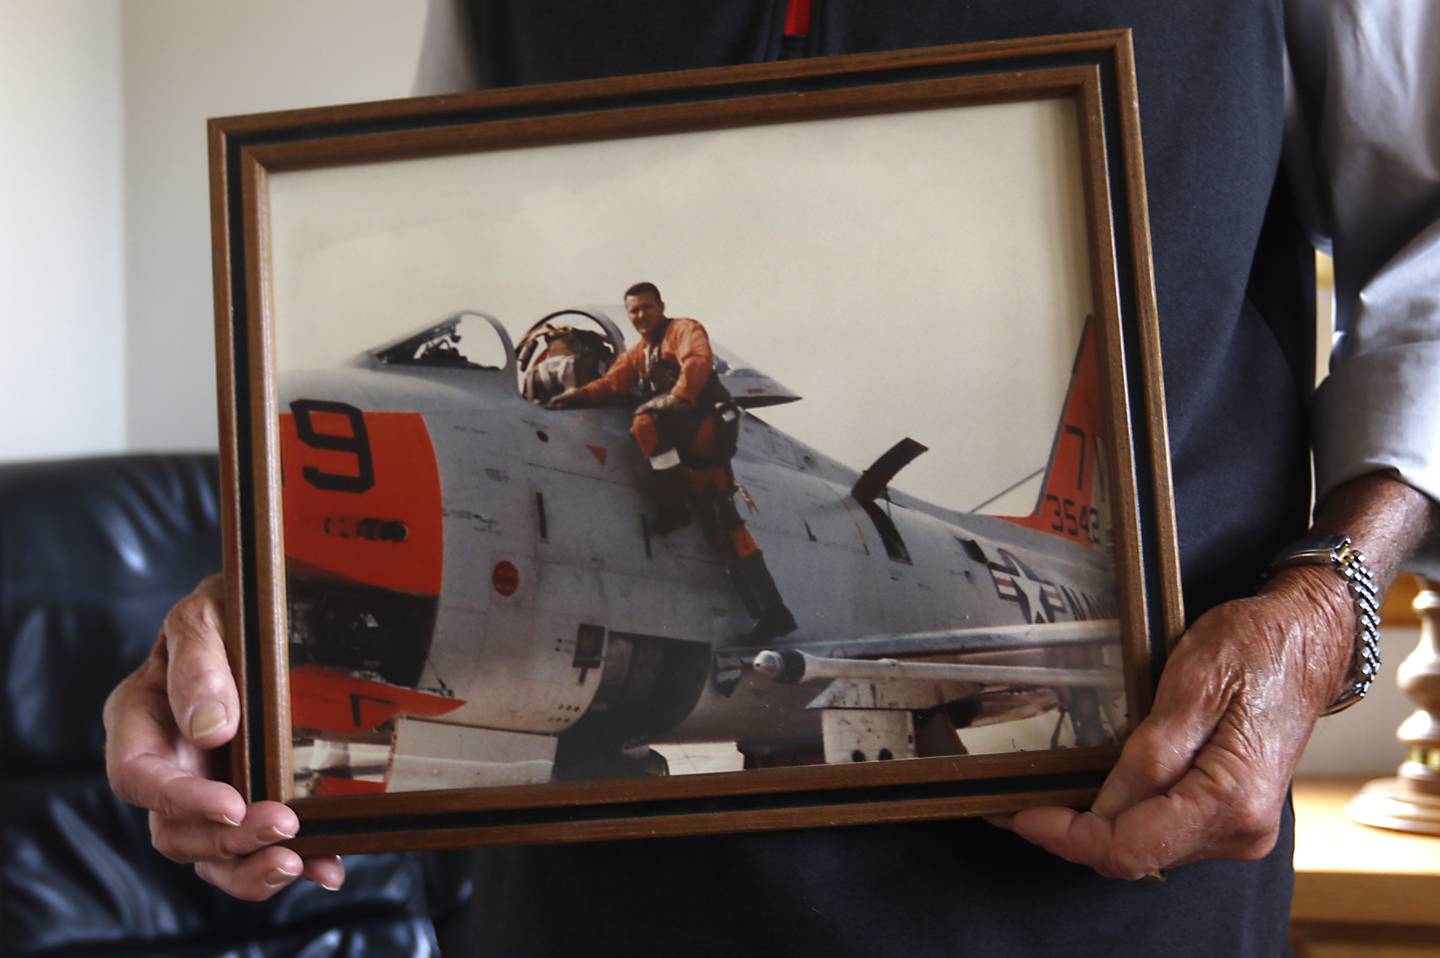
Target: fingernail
{"points": [[279, 876], [207, 717], [333, 886], [220, 818], [1157, 876], [273, 834], [1113, 799]]}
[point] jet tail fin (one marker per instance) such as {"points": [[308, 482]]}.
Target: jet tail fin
{"points": [[1072, 503]]}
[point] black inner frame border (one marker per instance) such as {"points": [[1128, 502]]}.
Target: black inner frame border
{"points": [[1140, 437]]}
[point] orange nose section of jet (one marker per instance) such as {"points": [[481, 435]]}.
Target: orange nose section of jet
{"points": [[361, 497]]}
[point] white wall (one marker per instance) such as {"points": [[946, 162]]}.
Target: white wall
{"points": [[61, 279], [185, 61], [1361, 740]]}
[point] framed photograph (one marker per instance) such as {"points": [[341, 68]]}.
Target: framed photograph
{"points": [[521, 549]]}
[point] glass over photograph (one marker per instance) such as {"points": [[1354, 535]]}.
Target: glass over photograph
{"points": [[542, 521]]}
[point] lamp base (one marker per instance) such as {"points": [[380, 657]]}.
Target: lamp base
{"points": [[1395, 804]]}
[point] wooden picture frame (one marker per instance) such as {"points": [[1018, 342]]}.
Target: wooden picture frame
{"points": [[980, 188]]}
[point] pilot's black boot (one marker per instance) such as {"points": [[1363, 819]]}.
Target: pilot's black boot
{"points": [[762, 599], [671, 498]]}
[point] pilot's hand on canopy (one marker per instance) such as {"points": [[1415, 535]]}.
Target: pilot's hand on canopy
{"points": [[1206, 774], [669, 402], [569, 399], [161, 723]]}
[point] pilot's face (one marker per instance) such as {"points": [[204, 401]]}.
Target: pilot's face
{"points": [[646, 313]]}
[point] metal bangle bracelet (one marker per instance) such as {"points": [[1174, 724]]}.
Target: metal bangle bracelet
{"points": [[1337, 552]]}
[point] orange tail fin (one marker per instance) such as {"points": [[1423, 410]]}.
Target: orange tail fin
{"points": [[1072, 500]]}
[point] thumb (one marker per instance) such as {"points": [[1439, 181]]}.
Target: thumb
{"points": [[1189, 704], [199, 682]]}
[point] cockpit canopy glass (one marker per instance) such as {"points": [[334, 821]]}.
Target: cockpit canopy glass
{"points": [[462, 341]]}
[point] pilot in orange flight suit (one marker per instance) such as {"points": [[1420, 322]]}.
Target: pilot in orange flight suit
{"points": [[687, 427]]}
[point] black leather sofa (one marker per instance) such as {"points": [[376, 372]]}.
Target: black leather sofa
{"points": [[92, 554]]}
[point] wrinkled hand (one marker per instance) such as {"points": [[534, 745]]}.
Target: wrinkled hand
{"points": [[186, 685], [666, 403], [566, 400], [1205, 775]]}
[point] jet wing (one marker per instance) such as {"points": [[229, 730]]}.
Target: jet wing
{"points": [[791, 666], [1001, 638], [891, 658]]}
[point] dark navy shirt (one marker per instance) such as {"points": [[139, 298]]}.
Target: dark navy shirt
{"points": [[1234, 276]]}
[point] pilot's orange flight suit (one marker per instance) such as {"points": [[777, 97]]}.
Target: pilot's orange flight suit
{"points": [[682, 364], [682, 341], [684, 350]]}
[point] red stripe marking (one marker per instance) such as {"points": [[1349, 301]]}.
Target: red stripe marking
{"points": [[406, 490], [1064, 509], [334, 785], [331, 701]]}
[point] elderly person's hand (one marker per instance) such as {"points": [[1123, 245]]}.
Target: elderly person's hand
{"points": [[161, 722], [1205, 775]]}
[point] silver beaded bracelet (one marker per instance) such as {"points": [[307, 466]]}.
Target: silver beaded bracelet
{"points": [[1337, 552]]}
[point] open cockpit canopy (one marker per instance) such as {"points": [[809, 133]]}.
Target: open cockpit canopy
{"points": [[468, 339]]}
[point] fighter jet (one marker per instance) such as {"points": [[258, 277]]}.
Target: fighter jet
{"points": [[475, 596]]}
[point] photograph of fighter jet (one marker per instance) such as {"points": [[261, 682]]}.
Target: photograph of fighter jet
{"points": [[528, 542], [479, 593], [761, 447]]}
